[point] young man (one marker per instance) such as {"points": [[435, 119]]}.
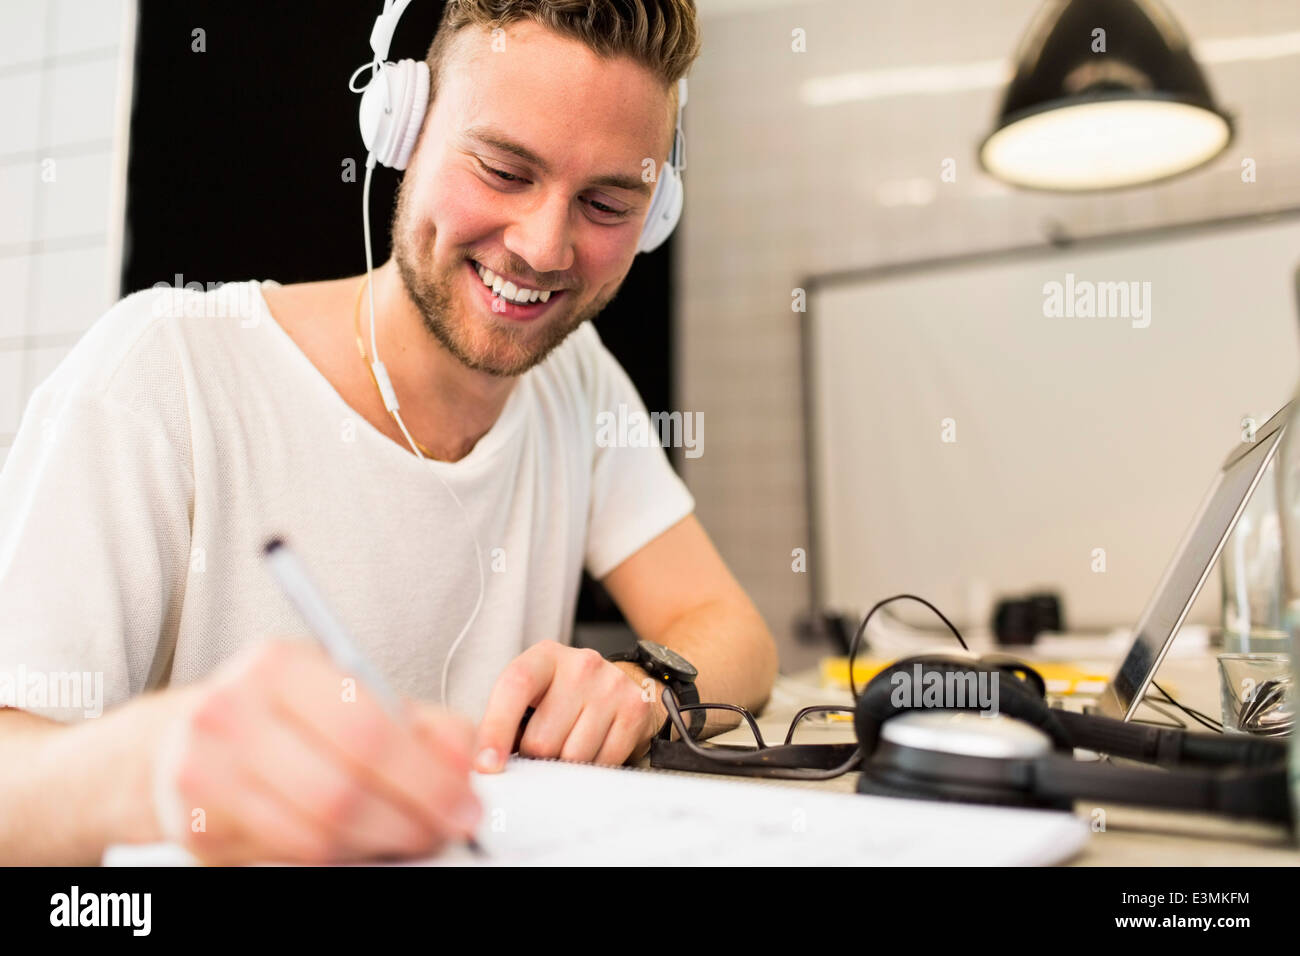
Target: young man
{"points": [[183, 431]]}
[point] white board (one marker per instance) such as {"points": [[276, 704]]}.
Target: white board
{"points": [[1075, 438]]}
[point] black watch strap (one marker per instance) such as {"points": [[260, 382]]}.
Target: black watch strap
{"points": [[686, 691]]}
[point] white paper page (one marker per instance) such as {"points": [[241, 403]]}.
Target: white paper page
{"points": [[547, 813]]}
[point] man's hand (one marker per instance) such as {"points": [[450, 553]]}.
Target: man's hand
{"points": [[279, 756], [586, 708]]}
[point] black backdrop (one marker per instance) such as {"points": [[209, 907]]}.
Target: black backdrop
{"points": [[237, 155]]}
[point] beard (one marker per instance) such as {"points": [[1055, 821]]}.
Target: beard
{"points": [[498, 346]]}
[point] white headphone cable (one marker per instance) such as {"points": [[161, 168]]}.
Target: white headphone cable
{"points": [[390, 402]]}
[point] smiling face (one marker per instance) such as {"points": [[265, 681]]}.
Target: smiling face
{"points": [[529, 165]]}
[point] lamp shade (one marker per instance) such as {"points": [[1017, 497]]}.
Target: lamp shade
{"points": [[1106, 95]]}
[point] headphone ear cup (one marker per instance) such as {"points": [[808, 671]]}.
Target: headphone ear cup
{"points": [[1016, 698], [391, 135], [875, 704], [936, 788], [665, 209]]}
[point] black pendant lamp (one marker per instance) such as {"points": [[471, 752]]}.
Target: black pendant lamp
{"points": [[1106, 95]]}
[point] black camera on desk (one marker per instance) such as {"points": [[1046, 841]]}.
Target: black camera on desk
{"points": [[1019, 621]]}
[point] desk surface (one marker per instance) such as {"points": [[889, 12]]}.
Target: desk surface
{"points": [[1133, 836]]}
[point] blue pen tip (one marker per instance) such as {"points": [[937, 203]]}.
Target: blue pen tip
{"points": [[272, 545]]}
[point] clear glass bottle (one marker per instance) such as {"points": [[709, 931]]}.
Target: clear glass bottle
{"points": [[1286, 466], [1250, 567]]}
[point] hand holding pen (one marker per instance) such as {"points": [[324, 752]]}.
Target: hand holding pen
{"points": [[334, 637], [282, 755]]}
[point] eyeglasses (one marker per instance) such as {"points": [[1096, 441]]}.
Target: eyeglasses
{"points": [[787, 760]]}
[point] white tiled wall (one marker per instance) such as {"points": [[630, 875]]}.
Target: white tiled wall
{"points": [[65, 80]]}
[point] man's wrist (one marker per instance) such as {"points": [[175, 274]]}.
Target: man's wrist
{"points": [[652, 692], [133, 817], [86, 786], [130, 738]]}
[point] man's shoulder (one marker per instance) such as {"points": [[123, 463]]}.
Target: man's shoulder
{"points": [[134, 348]]}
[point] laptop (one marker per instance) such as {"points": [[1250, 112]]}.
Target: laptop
{"points": [[1191, 566]]}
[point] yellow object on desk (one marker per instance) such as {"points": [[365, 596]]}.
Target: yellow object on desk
{"points": [[1063, 679]]}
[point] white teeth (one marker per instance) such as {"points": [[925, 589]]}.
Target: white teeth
{"points": [[508, 290]]}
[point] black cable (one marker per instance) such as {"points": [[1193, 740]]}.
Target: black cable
{"points": [[897, 618], [1167, 698], [1202, 722], [1175, 722], [1192, 711], [862, 629], [1205, 720], [1196, 715]]}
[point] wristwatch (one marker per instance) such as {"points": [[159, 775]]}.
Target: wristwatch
{"points": [[675, 671]]}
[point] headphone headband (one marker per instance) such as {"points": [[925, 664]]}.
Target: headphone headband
{"points": [[381, 34]]}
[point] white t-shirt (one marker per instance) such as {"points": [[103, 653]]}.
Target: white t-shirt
{"points": [[185, 429]]}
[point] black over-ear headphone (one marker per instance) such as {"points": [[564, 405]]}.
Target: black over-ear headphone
{"points": [[1019, 752]]}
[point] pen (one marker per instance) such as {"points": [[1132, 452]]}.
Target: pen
{"points": [[294, 581]]}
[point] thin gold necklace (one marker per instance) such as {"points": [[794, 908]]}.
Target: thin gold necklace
{"points": [[362, 348]]}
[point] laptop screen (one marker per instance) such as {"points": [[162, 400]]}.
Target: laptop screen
{"points": [[1191, 566]]}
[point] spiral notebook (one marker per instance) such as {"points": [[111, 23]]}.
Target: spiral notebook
{"points": [[549, 813]]}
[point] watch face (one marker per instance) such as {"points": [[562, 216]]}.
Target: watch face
{"points": [[670, 661]]}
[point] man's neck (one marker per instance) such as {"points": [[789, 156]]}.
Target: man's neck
{"points": [[446, 406]]}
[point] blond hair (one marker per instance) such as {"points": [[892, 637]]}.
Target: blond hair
{"points": [[661, 35]]}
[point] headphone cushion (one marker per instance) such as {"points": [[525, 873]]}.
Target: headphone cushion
{"points": [[392, 136], [953, 790], [417, 104], [1015, 699], [933, 790], [665, 209]]}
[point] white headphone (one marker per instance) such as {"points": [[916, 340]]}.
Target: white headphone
{"points": [[390, 125], [392, 112]]}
